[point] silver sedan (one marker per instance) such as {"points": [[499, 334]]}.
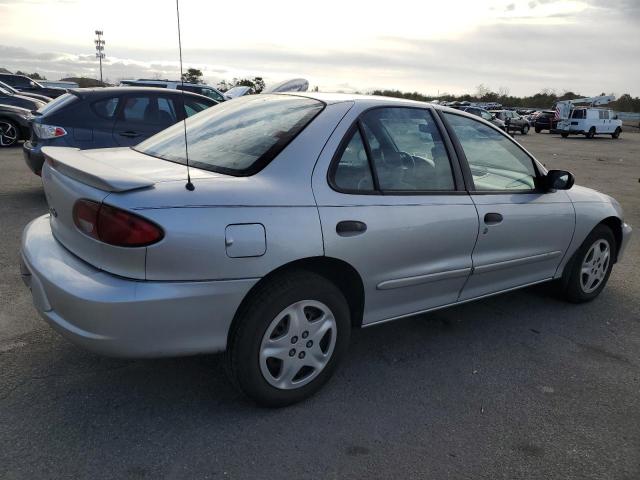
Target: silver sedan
{"points": [[305, 216]]}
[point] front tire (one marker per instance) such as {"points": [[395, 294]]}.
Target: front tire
{"points": [[9, 133], [564, 135], [590, 267], [538, 129], [591, 133], [524, 130], [288, 338], [617, 133]]}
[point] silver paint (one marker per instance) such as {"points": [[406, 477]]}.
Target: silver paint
{"points": [[179, 296]]}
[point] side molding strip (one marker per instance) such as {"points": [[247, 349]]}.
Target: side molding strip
{"points": [[518, 261], [420, 279]]}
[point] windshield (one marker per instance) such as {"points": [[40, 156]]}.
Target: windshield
{"points": [[238, 137]]}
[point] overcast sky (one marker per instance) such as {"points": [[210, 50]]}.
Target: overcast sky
{"points": [[586, 46]]}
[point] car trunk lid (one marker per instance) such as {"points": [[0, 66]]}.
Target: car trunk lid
{"points": [[70, 175]]}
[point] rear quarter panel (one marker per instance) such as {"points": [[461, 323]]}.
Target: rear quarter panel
{"points": [[279, 198]]}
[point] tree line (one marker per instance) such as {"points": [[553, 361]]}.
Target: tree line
{"points": [[546, 98], [194, 75]]}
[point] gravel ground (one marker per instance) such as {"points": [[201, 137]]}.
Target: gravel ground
{"points": [[517, 386]]}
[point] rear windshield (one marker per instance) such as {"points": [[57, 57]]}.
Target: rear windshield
{"points": [[238, 137], [57, 103]]}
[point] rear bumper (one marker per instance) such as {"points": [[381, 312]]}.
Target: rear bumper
{"points": [[122, 317], [33, 156]]}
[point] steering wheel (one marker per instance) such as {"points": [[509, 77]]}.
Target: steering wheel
{"points": [[408, 162]]}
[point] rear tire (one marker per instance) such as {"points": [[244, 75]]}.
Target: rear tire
{"points": [[617, 133], [9, 133], [524, 130], [590, 267], [288, 338]]}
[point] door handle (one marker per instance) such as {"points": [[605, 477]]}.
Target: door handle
{"points": [[130, 134], [492, 218], [349, 228]]}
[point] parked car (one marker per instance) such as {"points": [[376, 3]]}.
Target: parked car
{"points": [[485, 114], [198, 88], [513, 121], [239, 91], [7, 97], [14, 125], [107, 117], [25, 84], [590, 121], [310, 215], [35, 96], [545, 120]]}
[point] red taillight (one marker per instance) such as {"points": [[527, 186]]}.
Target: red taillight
{"points": [[114, 226]]}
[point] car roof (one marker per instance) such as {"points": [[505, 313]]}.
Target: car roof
{"points": [[374, 101], [106, 91], [331, 98]]}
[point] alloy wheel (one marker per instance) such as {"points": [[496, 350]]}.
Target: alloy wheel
{"points": [[298, 344], [8, 134], [595, 266]]}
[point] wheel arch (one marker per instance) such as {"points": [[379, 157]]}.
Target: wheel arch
{"points": [[337, 271], [615, 224]]}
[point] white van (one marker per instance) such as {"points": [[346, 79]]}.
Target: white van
{"points": [[198, 88], [590, 121]]}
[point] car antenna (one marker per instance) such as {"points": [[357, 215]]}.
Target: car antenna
{"points": [[189, 186]]}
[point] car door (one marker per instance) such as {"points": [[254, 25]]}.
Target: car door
{"points": [[101, 117], [393, 206], [524, 232], [141, 116]]}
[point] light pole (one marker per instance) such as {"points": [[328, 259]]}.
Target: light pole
{"points": [[99, 50]]}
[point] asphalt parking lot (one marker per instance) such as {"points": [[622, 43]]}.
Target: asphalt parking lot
{"points": [[519, 386]]}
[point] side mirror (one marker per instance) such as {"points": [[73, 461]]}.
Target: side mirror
{"points": [[559, 180]]}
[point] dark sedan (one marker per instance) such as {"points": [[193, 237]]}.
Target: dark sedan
{"points": [[88, 118], [14, 125], [513, 122], [7, 97], [35, 96], [545, 120], [25, 84]]}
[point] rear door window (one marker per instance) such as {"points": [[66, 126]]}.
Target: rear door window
{"points": [[166, 112], [106, 108], [135, 107], [353, 171], [410, 154]]}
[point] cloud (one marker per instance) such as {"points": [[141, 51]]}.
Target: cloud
{"points": [[525, 57]]}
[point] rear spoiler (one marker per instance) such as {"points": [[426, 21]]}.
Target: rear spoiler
{"points": [[73, 163]]}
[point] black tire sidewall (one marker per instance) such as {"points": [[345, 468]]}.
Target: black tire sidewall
{"points": [[256, 318], [573, 289]]}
